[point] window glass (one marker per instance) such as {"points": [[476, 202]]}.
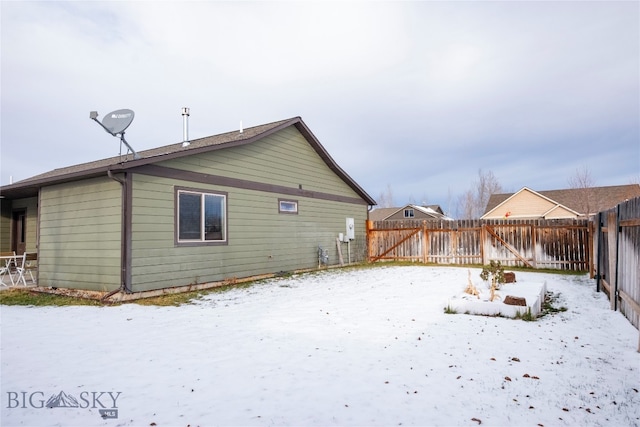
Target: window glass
{"points": [[408, 213], [214, 227], [201, 217], [288, 206], [189, 213]]}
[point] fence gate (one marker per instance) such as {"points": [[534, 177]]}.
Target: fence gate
{"points": [[393, 243], [498, 241], [617, 248]]}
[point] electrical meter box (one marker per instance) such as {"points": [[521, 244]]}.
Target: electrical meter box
{"points": [[351, 229]]}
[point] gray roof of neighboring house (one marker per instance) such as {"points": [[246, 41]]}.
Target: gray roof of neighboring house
{"points": [[599, 198], [381, 214], [29, 187]]}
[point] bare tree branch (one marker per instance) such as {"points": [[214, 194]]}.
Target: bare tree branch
{"points": [[385, 200], [472, 204], [581, 178], [583, 182]]}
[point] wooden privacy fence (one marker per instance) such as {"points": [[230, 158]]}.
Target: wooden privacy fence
{"points": [[556, 244], [617, 248]]}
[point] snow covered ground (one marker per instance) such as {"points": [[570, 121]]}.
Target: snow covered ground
{"points": [[369, 347]]}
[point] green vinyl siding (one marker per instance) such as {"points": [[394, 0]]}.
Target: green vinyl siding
{"points": [[5, 224], [80, 235], [30, 206], [260, 239], [80, 227], [284, 158]]}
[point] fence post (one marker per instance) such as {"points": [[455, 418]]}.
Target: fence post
{"points": [[534, 230], [618, 231], [453, 246], [612, 234], [369, 227], [424, 241], [598, 251], [591, 247], [483, 242]]}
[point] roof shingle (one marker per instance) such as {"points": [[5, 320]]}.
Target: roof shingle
{"points": [[593, 199]]}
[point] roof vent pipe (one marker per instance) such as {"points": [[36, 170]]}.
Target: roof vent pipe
{"points": [[185, 126], [241, 129]]}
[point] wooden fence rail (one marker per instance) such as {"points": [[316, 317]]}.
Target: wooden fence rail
{"points": [[616, 243], [556, 244]]}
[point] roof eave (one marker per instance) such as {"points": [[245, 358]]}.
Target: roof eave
{"points": [[30, 188], [322, 152]]}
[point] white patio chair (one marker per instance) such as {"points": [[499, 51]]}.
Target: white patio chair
{"points": [[20, 262], [7, 262], [30, 265]]}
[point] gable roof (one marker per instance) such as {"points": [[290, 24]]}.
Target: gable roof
{"points": [[599, 198], [433, 211], [555, 206], [379, 214], [29, 187]]}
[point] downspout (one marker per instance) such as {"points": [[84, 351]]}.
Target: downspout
{"points": [[124, 245]]}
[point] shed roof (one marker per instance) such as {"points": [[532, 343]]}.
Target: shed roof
{"points": [[29, 187]]}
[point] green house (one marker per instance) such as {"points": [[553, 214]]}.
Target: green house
{"points": [[252, 202]]}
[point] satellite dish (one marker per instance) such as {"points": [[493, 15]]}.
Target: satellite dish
{"points": [[116, 122]]}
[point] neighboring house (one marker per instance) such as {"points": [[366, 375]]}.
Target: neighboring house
{"points": [[239, 204], [408, 212], [558, 204]]}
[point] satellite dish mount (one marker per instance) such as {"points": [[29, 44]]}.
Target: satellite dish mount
{"points": [[115, 123]]}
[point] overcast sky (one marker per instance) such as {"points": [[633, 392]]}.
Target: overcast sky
{"points": [[412, 96]]}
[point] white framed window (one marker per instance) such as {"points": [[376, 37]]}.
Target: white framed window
{"points": [[408, 213], [201, 217], [287, 206]]}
